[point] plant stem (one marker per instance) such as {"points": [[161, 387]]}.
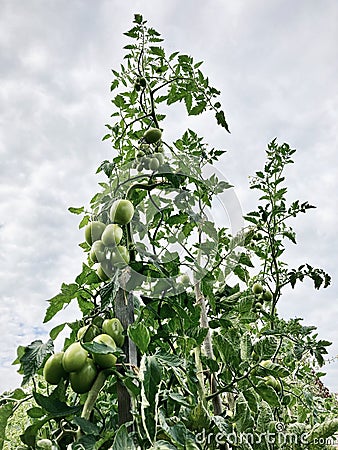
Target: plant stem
{"points": [[92, 397]]}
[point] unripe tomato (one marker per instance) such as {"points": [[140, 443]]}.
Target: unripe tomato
{"points": [[97, 252], [105, 361], [82, 380], [121, 212], [160, 158], [266, 363], [53, 370], [154, 164], [112, 235], [87, 333], [267, 296], [120, 256], [152, 135], [93, 231], [104, 271], [74, 358], [185, 280], [273, 382], [113, 327], [257, 288], [44, 444]]}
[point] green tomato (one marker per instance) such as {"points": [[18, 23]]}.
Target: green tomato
{"points": [[104, 271], [105, 361], [154, 164], [185, 280], [146, 162], [257, 288], [82, 380], [112, 235], [97, 252], [113, 327], [120, 256], [267, 296], [93, 231], [121, 212], [74, 358], [44, 444], [266, 363], [152, 135], [53, 370], [87, 333], [273, 382], [160, 158], [258, 306]]}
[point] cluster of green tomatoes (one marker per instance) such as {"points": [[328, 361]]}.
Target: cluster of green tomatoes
{"points": [[80, 366], [150, 155], [105, 239], [261, 296]]}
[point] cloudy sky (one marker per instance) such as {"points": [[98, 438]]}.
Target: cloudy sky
{"points": [[276, 65]]}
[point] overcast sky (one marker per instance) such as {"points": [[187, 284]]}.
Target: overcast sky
{"points": [[276, 65]]}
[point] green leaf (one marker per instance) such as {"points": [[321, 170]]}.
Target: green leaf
{"points": [[33, 358], [265, 417], [29, 436], [76, 210], [99, 348], [267, 393], [198, 109], [86, 426], [220, 117], [122, 440], [242, 416], [157, 51], [36, 413], [323, 430], [140, 335], [150, 376], [5, 413], [68, 292], [245, 259], [54, 406], [54, 333]]}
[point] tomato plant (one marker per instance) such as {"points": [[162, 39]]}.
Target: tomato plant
{"points": [[180, 344]]}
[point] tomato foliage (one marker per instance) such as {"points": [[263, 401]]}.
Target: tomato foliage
{"points": [[196, 355]]}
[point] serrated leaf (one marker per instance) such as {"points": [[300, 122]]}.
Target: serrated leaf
{"points": [[33, 358], [68, 292], [54, 406], [220, 117]]}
